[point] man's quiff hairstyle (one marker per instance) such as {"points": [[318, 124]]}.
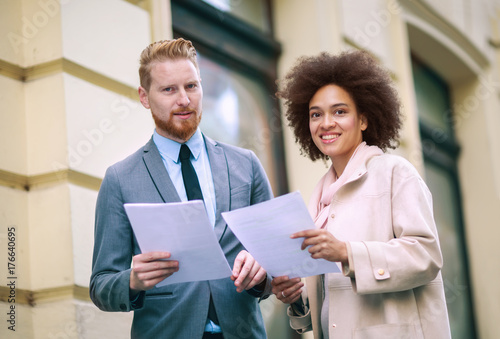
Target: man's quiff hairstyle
{"points": [[164, 50], [359, 74]]}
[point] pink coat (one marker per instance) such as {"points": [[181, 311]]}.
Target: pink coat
{"points": [[392, 287]]}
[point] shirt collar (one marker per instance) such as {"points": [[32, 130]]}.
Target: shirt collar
{"points": [[169, 148]]}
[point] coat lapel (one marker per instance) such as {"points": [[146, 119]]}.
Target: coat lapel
{"points": [[158, 173], [220, 174]]}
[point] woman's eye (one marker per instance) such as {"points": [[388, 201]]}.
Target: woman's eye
{"points": [[339, 112], [315, 115]]}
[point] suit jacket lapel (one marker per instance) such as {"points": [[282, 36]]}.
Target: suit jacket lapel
{"points": [[158, 173], [218, 164]]}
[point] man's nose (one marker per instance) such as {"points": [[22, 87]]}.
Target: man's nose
{"points": [[183, 99]]}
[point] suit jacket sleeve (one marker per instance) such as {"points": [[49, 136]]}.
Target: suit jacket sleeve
{"points": [[261, 191], [113, 248]]}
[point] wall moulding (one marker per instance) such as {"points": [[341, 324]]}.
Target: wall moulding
{"points": [[29, 183], [446, 48], [66, 66], [28, 297]]}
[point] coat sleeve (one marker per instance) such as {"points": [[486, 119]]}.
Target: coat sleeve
{"points": [[413, 257], [113, 249], [300, 323], [310, 317]]}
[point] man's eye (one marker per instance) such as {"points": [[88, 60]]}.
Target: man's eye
{"points": [[191, 86], [168, 89]]}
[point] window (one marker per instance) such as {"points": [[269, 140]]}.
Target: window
{"points": [[254, 12], [234, 110], [440, 161], [238, 70]]}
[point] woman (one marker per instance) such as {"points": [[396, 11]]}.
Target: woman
{"points": [[372, 210]]}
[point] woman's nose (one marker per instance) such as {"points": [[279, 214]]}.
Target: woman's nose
{"points": [[329, 121]]}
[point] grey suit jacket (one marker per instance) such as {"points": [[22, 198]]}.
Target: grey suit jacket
{"points": [[177, 310]]}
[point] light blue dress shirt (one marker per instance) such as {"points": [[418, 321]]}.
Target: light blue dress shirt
{"points": [[169, 151]]}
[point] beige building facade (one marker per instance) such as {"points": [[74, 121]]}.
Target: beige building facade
{"points": [[69, 109]]}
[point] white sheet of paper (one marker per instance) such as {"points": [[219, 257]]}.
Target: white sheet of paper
{"points": [[265, 229], [183, 229]]}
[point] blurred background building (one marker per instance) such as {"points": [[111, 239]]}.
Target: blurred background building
{"points": [[69, 108]]}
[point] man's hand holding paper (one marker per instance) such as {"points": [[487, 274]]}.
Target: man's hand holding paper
{"points": [[247, 273], [149, 269], [174, 238]]}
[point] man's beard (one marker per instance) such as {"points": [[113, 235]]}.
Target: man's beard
{"points": [[182, 132]]}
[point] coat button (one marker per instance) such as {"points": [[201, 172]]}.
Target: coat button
{"points": [[380, 271], [123, 307], [332, 215]]}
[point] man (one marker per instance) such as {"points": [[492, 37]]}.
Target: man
{"points": [[229, 178]]}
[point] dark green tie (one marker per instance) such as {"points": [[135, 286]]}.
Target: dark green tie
{"points": [[191, 183], [193, 192]]}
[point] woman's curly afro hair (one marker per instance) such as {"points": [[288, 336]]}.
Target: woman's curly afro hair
{"points": [[359, 74]]}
